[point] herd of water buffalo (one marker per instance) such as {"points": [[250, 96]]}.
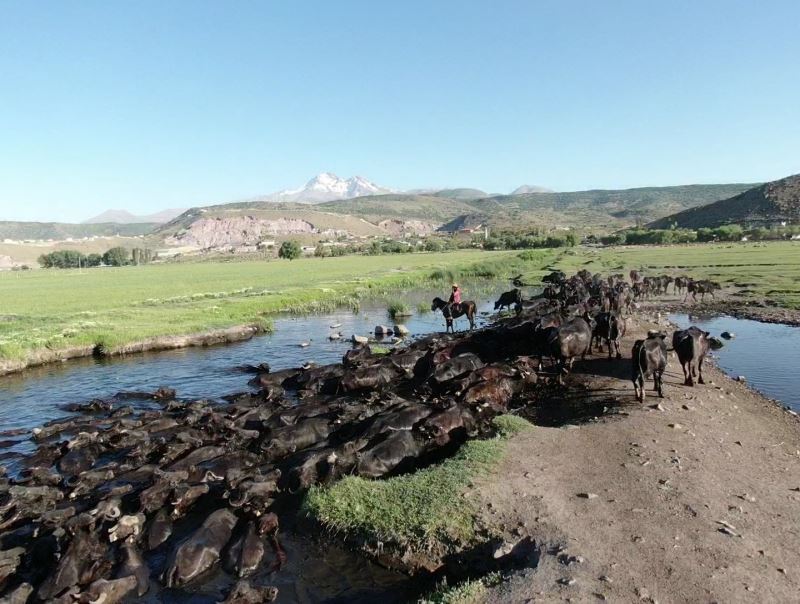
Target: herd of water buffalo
{"points": [[146, 491]]}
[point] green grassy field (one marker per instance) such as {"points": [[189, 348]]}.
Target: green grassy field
{"points": [[769, 270], [60, 308]]}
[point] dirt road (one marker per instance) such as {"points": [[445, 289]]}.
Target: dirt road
{"points": [[690, 498]]}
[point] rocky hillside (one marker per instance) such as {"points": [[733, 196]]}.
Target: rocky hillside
{"points": [[768, 204]]}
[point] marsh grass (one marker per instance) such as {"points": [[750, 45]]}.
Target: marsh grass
{"points": [[58, 309], [398, 309], [424, 510]]}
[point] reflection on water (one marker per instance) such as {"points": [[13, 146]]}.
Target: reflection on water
{"points": [[767, 354]]}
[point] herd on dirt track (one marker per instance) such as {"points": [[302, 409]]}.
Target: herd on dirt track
{"points": [[147, 491]]}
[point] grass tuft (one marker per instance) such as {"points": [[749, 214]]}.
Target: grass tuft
{"points": [[424, 510], [470, 591], [398, 309]]}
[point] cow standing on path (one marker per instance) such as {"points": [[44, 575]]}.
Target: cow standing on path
{"points": [[649, 358], [691, 345]]}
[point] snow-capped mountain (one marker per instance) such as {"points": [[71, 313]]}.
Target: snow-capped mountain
{"points": [[327, 187]]}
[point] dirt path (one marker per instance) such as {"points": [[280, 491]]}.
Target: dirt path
{"points": [[697, 500]]}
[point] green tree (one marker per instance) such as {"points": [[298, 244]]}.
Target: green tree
{"points": [[321, 251], [289, 250], [117, 256], [94, 260]]}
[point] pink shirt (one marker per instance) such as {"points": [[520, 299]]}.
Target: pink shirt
{"points": [[456, 296]]}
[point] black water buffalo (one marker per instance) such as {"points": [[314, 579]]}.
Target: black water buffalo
{"points": [[387, 455], [283, 441], [244, 593], [456, 366], [691, 345], [201, 550], [611, 327], [555, 277], [372, 377], [574, 338], [702, 287], [508, 299], [648, 358], [495, 393]]}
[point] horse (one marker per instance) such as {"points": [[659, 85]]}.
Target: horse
{"points": [[454, 311]]}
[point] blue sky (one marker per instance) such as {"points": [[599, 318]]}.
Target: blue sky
{"points": [[147, 105]]}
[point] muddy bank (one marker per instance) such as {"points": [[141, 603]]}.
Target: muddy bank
{"points": [[764, 311], [693, 497], [212, 337]]}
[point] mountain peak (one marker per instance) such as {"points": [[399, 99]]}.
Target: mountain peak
{"points": [[328, 186], [126, 217], [524, 189]]}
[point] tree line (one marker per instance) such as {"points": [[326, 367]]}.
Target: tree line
{"points": [[728, 232], [116, 256]]}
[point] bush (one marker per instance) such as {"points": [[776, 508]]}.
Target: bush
{"points": [[289, 250], [116, 256]]}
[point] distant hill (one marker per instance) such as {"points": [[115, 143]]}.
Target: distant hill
{"points": [[460, 193], [606, 208], [419, 207], [60, 230], [125, 217], [764, 205]]}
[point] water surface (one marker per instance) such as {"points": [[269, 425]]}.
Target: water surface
{"points": [[766, 354]]}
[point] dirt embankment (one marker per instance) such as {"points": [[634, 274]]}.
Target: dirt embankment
{"points": [[729, 301], [210, 338], [691, 498]]}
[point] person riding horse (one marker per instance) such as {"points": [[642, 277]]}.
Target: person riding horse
{"points": [[454, 308], [455, 296]]}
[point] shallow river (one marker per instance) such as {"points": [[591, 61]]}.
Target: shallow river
{"points": [[315, 571], [767, 355]]}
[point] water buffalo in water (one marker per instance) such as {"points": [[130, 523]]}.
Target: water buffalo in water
{"points": [[388, 454], [456, 366], [648, 358], [611, 327], [373, 377], [555, 277], [245, 554], [244, 593], [441, 425], [508, 299], [496, 393], [201, 550], [133, 565], [691, 345], [104, 591], [284, 441]]}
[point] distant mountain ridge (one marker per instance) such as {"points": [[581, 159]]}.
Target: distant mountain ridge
{"points": [[125, 217], [59, 231], [764, 205]]}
